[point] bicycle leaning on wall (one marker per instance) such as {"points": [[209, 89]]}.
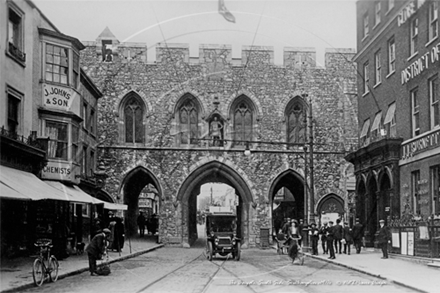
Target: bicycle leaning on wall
{"points": [[45, 265]]}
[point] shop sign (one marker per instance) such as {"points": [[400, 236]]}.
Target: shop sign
{"points": [[59, 97], [144, 203], [60, 171], [420, 65], [429, 141], [408, 10]]}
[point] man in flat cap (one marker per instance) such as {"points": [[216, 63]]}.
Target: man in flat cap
{"points": [[358, 232], [97, 249], [331, 239], [384, 237]]}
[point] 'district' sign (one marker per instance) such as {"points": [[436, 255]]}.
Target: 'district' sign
{"points": [[55, 96]]}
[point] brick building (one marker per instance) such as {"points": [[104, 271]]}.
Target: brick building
{"points": [[397, 166], [179, 122]]}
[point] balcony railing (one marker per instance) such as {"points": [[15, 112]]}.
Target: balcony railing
{"points": [[383, 134], [17, 53], [31, 140]]}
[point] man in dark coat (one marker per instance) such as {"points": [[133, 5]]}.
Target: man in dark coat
{"points": [[119, 235], [314, 237], [338, 236], [348, 238], [384, 237], [301, 231], [323, 232], [331, 239], [141, 224], [286, 226], [358, 231], [97, 249]]}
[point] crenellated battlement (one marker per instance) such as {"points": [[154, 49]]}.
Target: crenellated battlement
{"points": [[110, 49]]}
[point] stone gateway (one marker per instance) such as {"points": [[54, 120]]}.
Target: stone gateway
{"points": [[155, 130]]}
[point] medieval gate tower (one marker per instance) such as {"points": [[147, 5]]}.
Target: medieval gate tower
{"points": [[180, 122]]}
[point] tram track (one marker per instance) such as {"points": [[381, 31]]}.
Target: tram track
{"points": [[169, 274], [220, 266]]}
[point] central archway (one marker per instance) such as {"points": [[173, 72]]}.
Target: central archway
{"points": [[213, 172]]}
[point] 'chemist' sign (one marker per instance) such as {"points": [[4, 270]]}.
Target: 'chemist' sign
{"points": [[59, 97], [65, 171]]}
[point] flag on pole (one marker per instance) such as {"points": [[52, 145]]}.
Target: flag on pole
{"points": [[224, 11]]}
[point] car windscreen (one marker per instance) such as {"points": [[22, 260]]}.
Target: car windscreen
{"points": [[222, 224]]}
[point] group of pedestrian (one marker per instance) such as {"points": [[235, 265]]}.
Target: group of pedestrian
{"points": [[333, 236], [151, 224]]}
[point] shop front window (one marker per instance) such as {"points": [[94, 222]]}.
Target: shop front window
{"points": [[435, 189], [415, 179]]}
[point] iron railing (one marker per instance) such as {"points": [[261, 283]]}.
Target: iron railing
{"points": [[31, 140]]}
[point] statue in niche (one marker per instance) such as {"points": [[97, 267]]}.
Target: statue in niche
{"points": [[216, 132], [108, 55]]}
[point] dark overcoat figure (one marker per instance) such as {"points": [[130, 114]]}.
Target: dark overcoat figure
{"points": [[141, 224], [314, 237], [323, 233], [347, 235], [338, 236], [286, 226], [119, 235], [358, 231], [97, 249], [331, 239], [384, 237], [301, 231]]}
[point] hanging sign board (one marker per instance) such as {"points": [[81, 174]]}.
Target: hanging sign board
{"points": [[424, 235], [395, 242]]}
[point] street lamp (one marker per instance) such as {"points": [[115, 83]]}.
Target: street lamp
{"points": [[247, 151]]}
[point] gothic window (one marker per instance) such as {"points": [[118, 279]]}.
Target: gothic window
{"points": [[242, 123], [296, 124], [188, 122], [134, 129]]}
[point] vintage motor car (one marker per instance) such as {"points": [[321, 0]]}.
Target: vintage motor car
{"points": [[221, 232]]}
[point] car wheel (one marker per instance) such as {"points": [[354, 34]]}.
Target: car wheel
{"points": [[209, 251], [238, 254]]}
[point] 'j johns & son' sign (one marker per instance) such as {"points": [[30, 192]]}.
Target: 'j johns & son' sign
{"points": [[55, 96]]}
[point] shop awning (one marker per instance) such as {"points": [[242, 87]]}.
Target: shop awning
{"points": [[376, 121], [114, 206], [8, 192], [24, 185], [365, 128], [390, 113], [107, 205], [73, 193]]}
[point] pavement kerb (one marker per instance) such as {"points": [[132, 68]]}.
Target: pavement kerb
{"points": [[367, 272], [82, 270]]}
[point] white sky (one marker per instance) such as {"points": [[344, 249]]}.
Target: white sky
{"points": [[287, 23]]}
